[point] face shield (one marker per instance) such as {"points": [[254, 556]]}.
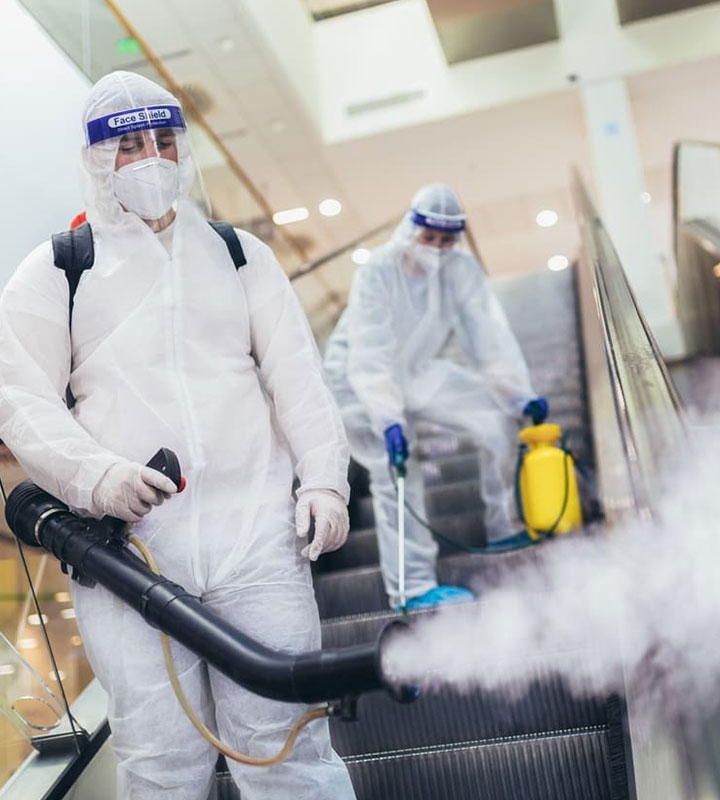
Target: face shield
{"points": [[432, 229], [137, 157]]}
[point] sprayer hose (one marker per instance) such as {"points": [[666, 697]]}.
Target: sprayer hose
{"points": [[205, 732]]}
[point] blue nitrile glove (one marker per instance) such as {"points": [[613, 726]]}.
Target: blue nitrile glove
{"points": [[537, 409], [396, 446]]}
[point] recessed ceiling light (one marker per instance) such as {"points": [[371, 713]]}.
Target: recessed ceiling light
{"points": [[557, 263], [330, 207], [7, 669], [27, 644], [54, 677], [34, 619], [546, 218], [63, 597], [68, 613], [290, 215], [75, 640], [646, 197], [361, 255]]}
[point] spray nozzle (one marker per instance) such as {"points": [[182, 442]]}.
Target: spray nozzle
{"points": [[537, 410]]}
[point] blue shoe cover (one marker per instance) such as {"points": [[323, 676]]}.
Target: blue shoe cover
{"points": [[440, 595]]}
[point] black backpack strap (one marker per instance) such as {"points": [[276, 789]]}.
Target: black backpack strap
{"points": [[74, 252], [227, 232]]}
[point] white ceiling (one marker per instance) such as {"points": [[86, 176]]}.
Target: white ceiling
{"points": [[507, 162]]}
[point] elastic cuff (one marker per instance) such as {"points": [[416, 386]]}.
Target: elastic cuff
{"points": [[344, 495]]}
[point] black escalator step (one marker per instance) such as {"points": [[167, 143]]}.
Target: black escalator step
{"points": [[359, 628], [350, 591], [361, 549], [225, 787], [451, 498], [448, 715], [570, 765], [357, 591], [450, 470]]}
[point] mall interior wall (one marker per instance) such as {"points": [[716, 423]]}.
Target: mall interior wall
{"points": [[41, 97]]}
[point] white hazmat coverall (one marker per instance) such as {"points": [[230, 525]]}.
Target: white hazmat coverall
{"points": [[382, 363], [172, 346]]}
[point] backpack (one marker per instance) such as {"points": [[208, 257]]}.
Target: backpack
{"points": [[74, 252]]}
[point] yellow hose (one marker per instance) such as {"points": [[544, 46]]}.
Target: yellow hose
{"points": [[205, 732]]}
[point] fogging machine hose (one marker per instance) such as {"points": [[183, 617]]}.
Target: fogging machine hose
{"points": [[40, 520], [203, 730]]}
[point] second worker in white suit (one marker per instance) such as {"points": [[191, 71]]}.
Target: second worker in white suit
{"points": [[384, 366]]}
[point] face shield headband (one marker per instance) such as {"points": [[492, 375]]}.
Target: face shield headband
{"points": [[438, 222], [134, 119]]}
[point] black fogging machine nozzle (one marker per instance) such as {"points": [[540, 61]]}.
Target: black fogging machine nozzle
{"points": [[40, 520], [27, 508]]}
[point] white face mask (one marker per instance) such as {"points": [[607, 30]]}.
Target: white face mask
{"points": [[428, 258], [147, 187]]}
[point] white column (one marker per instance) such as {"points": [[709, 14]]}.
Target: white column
{"points": [[591, 39], [620, 185]]}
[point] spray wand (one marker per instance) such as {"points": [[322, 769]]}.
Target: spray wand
{"points": [[401, 472]]}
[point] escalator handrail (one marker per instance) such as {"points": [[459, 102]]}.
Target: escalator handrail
{"points": [[311, 266], [648, 408]]}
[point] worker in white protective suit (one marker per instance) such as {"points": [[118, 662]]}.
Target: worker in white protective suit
{"points": [[383, 364], [172, 346]]}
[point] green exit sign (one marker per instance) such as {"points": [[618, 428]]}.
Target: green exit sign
{"points": [[128, 46]]}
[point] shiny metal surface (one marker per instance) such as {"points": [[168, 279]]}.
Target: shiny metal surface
{"points": [[636, 391], [696, 225]]}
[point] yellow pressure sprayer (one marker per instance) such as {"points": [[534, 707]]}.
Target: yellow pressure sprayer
{"points": [[546, 488]]}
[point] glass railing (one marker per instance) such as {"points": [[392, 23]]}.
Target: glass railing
{"points": [[696, 213], [99, 39], [29, 691], [323, 285]]}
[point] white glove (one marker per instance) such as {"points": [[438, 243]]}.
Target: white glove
{"points": [[128, 491], [332, 523]]}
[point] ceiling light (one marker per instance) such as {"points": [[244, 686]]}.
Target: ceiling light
{"points": [[63, 597], [34, 619], [546, 218], [76, 640], [7, 669], [330, 207], [27, 644], [68, 613], [54, 677], [361, 255], [290, 215], [557, 263], [646, 197]]}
